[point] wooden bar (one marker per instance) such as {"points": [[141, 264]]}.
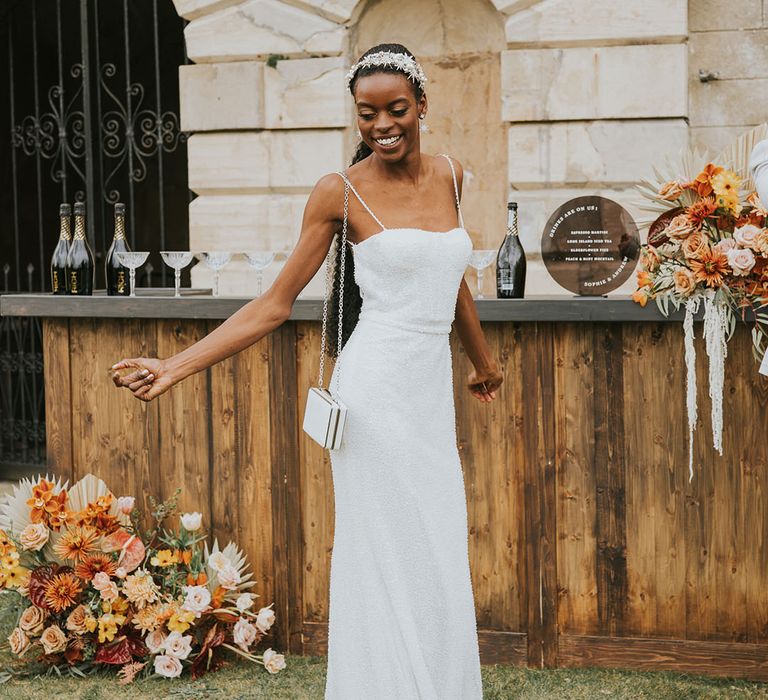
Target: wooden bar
{"points": [[588, 544]]}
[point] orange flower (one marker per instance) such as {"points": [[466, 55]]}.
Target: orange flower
{"points": [[703, 181], [47, 507], [711, 267], [699, 211], [62, 591], [640, 296], [757, 206], [186, 556], [77, 543], [97, 515], [644, 279], [91, 565]]}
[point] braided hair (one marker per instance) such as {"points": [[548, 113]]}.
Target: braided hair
{"points": [[353, 300]]}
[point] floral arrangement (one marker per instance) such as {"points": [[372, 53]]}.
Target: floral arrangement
{"points": [[97, 591], [710, 244]]}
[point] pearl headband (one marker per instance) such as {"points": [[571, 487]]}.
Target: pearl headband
{"points": [[403, 62]]}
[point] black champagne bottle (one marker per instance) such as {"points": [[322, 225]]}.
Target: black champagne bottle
{"points": [[510, 261], [80, 268], [59, 257], [117, 273]]}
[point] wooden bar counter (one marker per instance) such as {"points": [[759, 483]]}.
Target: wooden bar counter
{"points": [[588, 544]]}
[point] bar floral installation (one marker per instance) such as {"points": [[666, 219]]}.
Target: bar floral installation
{"points": [[98, 592], [710, 244]]}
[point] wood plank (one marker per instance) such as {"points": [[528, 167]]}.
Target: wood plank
{"points": [[701, 563], [576, 517], [58, 406], [548, 597], [535, 307], [717, 659], [115, 436], [490, 443], [317, 496], [223, 477], [495, 647], [184, 423], [287, 545]]}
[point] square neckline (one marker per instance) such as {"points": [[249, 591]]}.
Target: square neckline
{"points": [[404, 228]]}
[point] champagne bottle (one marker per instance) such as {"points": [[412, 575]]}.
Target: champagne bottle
{"points": [[116, 273], [80, 268], [510, 261], [59, 257]]}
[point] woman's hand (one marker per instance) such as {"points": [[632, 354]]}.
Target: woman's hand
{"points": [[483, 384], [149, 379]]}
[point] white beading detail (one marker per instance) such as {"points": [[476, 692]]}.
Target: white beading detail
{"points": [[401, 61]]}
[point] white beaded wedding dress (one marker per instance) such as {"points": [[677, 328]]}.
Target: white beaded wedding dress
{"points": [[402, 620]]}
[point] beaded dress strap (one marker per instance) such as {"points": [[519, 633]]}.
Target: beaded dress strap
{"points": [[367, 208], [455, 188]]}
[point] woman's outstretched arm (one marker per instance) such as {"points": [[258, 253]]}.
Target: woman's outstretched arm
{"points": [[151, 376]]}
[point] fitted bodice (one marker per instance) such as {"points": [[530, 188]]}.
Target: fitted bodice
{"points": [[410, 277]]}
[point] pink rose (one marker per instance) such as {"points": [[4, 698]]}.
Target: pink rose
{"points": [[244, 633], [273, 661], [747, 235], [741, 260], [725, 245], [125, 504], [168, 666]]}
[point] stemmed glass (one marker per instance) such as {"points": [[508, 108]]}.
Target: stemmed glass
{"points": [[216, 260], [480, 259], [132, 259], [178, 260], [259, 261]]}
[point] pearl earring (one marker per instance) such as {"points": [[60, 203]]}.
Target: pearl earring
{"points": [[422, 126]]}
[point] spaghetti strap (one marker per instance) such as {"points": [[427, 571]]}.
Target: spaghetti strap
{"points": [[367, 208], [455, 188]]}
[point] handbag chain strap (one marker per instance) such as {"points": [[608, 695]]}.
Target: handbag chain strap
{"points": [[328, 266]]}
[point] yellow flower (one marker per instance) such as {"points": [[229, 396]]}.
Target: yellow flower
{"points": [[164, 557], [10, 560], [17, 576], [90, 623], [108, 625], [726, 183], [181, 621], [730, 202]]}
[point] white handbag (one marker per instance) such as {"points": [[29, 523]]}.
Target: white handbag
{"points": [[324, 414]]}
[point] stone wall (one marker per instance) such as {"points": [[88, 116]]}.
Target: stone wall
{"points": [[541, 101]]}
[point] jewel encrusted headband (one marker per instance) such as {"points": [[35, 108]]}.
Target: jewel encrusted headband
{"points": [[401, 61]]}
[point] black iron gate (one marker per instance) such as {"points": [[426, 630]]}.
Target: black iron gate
{"points": [[90, 112]]}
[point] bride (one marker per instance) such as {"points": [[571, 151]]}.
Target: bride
{"points": [[401, 615]]}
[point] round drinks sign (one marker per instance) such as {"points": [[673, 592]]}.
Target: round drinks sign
{"points": [[590, 245]]}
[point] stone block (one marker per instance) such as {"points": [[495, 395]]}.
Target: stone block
{"points": [[729, 102], [612, 82], [336, 10], [237, 279], [216, 96], [707, 15], [598, 20], [245, 222], [255, 162], [732, 54], [509, 7], [715, 139], [307, 93], [192, 9], [589, 153], [258, 28]]}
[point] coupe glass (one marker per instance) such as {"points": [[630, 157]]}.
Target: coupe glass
{"points": [[216, 260], [178, 260], [480, 259], [259, 261], [132, 259]]}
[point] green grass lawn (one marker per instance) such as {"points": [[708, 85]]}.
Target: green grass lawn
{"points": [[304, 679]]}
